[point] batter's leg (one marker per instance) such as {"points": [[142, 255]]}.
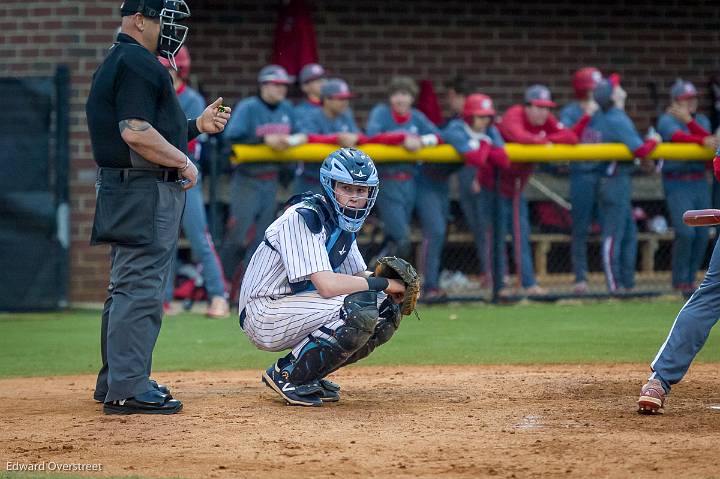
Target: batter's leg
{"points": [[702, 235], [685, 339]]}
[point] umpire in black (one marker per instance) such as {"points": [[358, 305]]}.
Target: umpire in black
{"points": [[139, 137]]}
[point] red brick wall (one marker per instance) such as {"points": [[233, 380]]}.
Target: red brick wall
{"points": [[501, 47]]}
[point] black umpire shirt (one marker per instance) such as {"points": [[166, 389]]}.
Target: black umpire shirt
{"points": [[132, 83]]}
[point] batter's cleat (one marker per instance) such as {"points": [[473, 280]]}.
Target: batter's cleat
{"points": [[652, 398], [302, 395]]}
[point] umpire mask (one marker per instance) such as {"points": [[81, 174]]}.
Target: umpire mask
{"points": [[172, 34]]}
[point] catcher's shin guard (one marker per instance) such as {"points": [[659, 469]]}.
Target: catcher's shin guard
{"points": [[387, 325], [320, 356]]}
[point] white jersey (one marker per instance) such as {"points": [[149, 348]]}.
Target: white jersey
{"points": [[296, 253]]}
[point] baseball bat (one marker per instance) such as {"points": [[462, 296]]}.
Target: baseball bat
{"points": [[708, 217]]}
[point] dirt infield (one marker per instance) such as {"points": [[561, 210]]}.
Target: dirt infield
{"points": [[504, 421]]}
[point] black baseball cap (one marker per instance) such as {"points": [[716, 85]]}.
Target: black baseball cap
{"points": [[148, 8]]}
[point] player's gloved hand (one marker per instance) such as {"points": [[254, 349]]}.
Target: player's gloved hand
{"points": [[392, 267], [396, 290]]}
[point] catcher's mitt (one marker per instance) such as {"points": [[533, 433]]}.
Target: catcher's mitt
{"points": [[397, 268]]}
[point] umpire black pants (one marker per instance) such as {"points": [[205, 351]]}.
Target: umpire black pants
{"points": [[133, 311]]}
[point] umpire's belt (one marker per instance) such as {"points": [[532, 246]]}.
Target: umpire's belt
{"points": [[124, 174], [242, 319]]}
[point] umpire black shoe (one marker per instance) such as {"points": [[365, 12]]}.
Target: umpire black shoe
{"points": [[163, 389], [295, 395], [151, 402]]}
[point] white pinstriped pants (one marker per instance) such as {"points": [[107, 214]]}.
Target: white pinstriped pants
{"points": [[279, 324]]}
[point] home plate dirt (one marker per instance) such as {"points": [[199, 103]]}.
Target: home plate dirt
{"points": [[479, 421]]}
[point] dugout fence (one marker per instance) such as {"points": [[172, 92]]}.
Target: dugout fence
{"points": [[550, 238]]}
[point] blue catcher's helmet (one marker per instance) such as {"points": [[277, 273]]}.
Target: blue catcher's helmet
{"points": [[353, 167]]}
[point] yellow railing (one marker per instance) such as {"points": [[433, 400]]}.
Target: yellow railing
{"points": [[446, 154]]}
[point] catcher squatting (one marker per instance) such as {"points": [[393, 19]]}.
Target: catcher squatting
{"points": [[306, 287]]}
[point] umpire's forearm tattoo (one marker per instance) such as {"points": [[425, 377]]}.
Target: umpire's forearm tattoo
{"points": [[134, 125]]}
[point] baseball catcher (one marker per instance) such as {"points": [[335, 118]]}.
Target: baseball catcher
{"points": [[307, 289]]}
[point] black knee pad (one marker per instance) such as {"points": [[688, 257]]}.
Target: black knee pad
{"points": [[360, 313], [390, 310], [383, 332], [321, 356], [386, 326]]}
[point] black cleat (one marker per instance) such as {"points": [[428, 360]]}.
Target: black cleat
{"points": [[302, 395], [330, 391]]}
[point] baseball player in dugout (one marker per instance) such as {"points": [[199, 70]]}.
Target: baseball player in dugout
{"points": [[531, 123], [479, 142], [685, 182], [307, 289], [584, 175], [311, 78], [457, 91], [333, 123], [619, 231], [266, 118], [139, 137], [398, 123], [194, 221]]}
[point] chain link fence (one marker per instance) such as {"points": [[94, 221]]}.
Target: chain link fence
{"points": [[464, 277]]}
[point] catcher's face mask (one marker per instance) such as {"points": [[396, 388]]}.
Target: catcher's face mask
{"points": [[350, 175], [172, 34]]}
